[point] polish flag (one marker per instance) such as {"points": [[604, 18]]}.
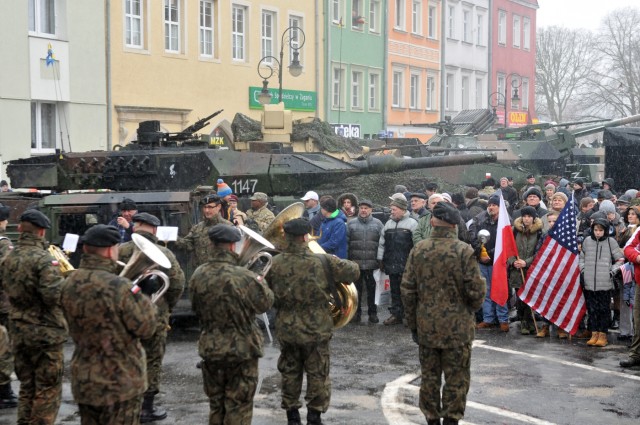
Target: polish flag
{"points": [[505, 248]]}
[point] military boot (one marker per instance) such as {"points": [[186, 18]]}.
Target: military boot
{"points": [[449, 421], [150, 413], [433, 421], [313, 417], [8, 399], [293, 417]]}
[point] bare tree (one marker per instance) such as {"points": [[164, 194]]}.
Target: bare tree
{"points": [[565, 59]]}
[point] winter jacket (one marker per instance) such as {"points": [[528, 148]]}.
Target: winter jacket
{"points": [[526, 242], [396, 243], [363, 236], [333, 235], [476, 206], [480, 222], [424, 229], [353, 213], [599, 259], [631, 253]]}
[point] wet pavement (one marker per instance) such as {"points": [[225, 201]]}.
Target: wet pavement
{"points": [[374, 369]]}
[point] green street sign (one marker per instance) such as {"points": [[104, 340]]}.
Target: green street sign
{"points": [[295, 100]]}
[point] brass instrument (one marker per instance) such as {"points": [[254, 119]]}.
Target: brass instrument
{"points": [[63, 261], [346, 291], [143, 264], [274, 232]]}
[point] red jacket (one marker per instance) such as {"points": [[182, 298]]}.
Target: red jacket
{"points": [[631, 253]]}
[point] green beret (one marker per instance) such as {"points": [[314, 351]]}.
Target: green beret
{"points": [[297, 227], [101, 235], [224, 233], [446, 212], [36, 218], [146, 218]]}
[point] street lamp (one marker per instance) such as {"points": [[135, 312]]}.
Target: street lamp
{"points": [[295, 38], [516, 83], [495, 101]]}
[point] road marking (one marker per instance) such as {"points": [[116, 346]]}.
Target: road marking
{"points": [[481, 344], [507, 413]]}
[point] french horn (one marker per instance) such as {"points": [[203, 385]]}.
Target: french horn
{"points": [[63, 262], [143, 264]]}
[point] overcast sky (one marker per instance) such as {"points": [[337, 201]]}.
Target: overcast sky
{"points": [[578, 13]]}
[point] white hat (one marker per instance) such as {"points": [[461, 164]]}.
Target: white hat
{"points": [[310, 195], [446, 197]]}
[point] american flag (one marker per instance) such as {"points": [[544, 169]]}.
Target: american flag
{"points": [[553, 287]]}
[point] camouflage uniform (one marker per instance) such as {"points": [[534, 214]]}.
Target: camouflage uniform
{"points": [[37, 328], [262, 216], [155, 346], [106, 320], [6, 359], [198, 242], [304, 324], [226, 298], [441, 289]]}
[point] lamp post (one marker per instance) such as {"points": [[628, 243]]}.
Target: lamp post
{"points": [[494, 102], [515, 85], [295, 38]]}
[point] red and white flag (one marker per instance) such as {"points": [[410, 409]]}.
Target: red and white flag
{"points": [[505, 248], [552, 287]]}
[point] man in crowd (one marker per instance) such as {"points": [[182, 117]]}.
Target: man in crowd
{"points": [[488, 220], [107, 320], [8, 398], [532, 198], [430, 188], [4, 186], [226, 297], [423, 229], [32, 280], [122, 221], [393, 250], [197, 241], [441, 288], [418, 205], [333, 230], [146, 225], [259, 211], [579, 190], [304, 326], [311, 204], [531, 183], [509, 194], [363, 235]]}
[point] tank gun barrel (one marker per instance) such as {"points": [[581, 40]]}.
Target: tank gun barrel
{"points": [[388, 163], [437, 149], [200, 124], [614, 123]]}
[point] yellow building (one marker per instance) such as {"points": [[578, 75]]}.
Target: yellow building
{"points": [[177, 61]]}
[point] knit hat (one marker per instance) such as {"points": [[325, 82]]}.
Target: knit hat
{"points": [[446, 197], [329, 205], [530, 211], [223, 189], [457, 199], [494, 199], [579, 182], [550, 186], [400, 188], [400, 203], [605, 194], [607, 207], [533, 191], [128, 205]]}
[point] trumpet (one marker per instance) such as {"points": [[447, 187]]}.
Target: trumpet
{"points": [[63, 262], [143, 263]]}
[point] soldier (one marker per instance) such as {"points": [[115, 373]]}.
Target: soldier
{"points": [[8, 398], [259, 211], [197, 241], [122, 221], [441, 289], [107, 320], [304, 324], [146, 225], [31, 277], [226, 297]]}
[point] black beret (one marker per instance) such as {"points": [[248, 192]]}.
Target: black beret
{"points": [[530, 176], [36, 218], [432, 187], [4, 212], [224, 233], [211, 199], [128, 205], [533, 191], [297, 227], [446, 212], [419, 195], [329, 205], [146, 218], [366, 202], [494, 199], [528, 211], [101, 235]]}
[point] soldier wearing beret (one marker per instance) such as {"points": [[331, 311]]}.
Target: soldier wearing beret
{"points": [[106, 321], [441, 289], [32, 279], [146, 224], [259, 212], [7, 396], [304, 324], [123, 220], [197, 240], [226, 297]]}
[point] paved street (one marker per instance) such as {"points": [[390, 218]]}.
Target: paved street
{"points": [[515, 380]]}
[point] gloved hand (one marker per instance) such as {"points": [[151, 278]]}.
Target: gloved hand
{"points": [[414, 336], [381, 266]]}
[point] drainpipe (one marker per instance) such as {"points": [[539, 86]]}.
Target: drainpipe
{"points": [[443, 68], [385, 70], [108, 70], [490, 53], [317, 55]]}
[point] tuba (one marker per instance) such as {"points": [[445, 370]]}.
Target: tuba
{"points": [[346, 291], [274, 232], [63, 262], [143, 263]]}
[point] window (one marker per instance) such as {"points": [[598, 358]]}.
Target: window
{"points": [[43, 127], [449, 90], [479, 91], [336, 8], [238, 16], [526, 30], [524, 94], [414, 91], [466, 26], [416, 16], [338, 94], [172, 26], [133, 23], [42, 16], [357, 14], [356, 89], [400, 15], [374, 16], [480, 30], [206, 28], [502, 27], [397, 89], [431, 93], [296, 38], [374, 90], [501, 89], [516, 31], [267, 36], [452, 22], [464, 90], [433, 18]]}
